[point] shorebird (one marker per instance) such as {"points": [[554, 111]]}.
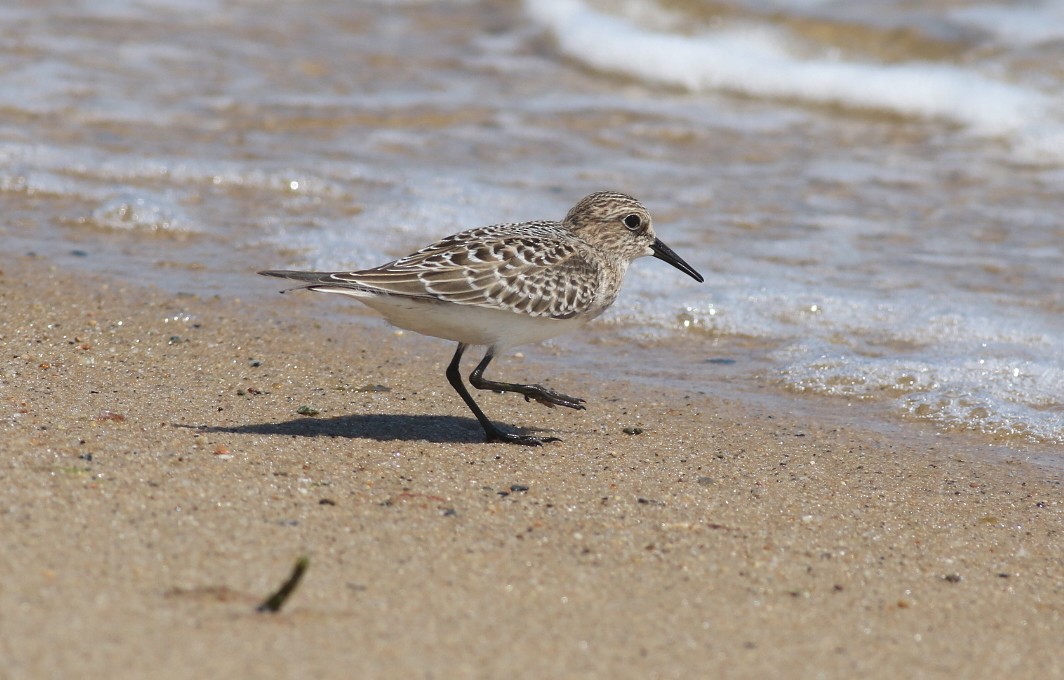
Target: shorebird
{"points": [[507, 285]]}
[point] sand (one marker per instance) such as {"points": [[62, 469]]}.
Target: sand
{"points": [[157, 481]]}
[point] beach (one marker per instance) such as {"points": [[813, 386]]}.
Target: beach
{"points": [[165, 459], [838, 457]]}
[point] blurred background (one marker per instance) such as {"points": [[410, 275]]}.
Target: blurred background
{"points": [[872, 190]]}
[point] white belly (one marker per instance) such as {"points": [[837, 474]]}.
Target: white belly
{"points": [[466, 323]]}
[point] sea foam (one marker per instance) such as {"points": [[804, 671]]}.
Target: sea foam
{"points": [[759, 61]]}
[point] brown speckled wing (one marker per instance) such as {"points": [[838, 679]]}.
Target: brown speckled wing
{"points": [[537, 269]]}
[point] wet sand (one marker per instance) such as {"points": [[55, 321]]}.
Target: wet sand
{"points": [[158, 481]]}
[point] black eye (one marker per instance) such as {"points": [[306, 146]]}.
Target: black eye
{"points": [[633, 222]]}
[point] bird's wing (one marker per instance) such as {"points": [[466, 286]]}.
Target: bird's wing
{"points": [[541, 274]]}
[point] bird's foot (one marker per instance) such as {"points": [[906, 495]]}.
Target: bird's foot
{"points": [[550, 398]]}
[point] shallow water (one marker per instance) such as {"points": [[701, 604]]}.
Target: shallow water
{"points": [[872, 191]]}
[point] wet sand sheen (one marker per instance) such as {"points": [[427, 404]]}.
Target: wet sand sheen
{"points": [[159, 481]]}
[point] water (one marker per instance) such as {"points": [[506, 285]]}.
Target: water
{"points": [[872, 190]]}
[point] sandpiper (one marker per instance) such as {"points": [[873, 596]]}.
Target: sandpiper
{"points": [[507, 285]]}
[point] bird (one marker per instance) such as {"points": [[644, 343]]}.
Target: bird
{"points": [[506, 285]]}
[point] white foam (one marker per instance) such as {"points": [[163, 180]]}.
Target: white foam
{"points": [[952, 358], [757, 60], [1005, 397]]}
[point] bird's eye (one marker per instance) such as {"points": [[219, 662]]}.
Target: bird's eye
{"points": [[633, 222]]}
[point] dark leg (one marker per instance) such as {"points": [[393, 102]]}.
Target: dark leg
{"points": [[543, 395], [494, 434]]}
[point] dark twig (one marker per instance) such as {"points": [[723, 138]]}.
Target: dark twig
{"points": [[274, 602]]}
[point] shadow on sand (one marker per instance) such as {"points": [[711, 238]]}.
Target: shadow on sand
{"points": [[437, 429]]}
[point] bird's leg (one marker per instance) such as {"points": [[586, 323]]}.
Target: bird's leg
{"points": [[543, 395], [492, 433]]}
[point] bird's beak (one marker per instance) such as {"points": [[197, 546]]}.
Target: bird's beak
{"points": [[663, 252]]}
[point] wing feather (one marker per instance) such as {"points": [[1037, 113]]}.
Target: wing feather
{"points": [[541, 277], [536, 268]]}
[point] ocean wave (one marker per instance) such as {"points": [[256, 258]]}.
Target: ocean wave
{"points": [[759, 60]]}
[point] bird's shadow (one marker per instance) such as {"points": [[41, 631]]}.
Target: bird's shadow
{"points": [[381, 427]]}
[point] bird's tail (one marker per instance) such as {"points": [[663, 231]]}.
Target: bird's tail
{"points": [[325, 282], [308, 277]]}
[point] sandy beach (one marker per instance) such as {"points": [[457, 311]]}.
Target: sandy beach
{"points": [[166, 459]]}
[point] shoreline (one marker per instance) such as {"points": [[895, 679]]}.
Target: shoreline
{"points": [[159, 480]]}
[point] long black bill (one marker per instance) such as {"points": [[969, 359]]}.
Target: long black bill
{"points": [[663, 252]]}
